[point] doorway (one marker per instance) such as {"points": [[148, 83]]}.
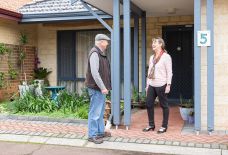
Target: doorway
{"points": [[180, 46]]}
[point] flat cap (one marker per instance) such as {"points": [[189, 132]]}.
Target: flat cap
{"points": [[101, 37]]}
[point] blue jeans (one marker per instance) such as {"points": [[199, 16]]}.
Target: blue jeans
{"points": [[96, 113]]}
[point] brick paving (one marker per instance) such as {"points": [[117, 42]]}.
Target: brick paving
{"points": [[174, 135]]}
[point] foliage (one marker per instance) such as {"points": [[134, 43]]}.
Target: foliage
{"points": [[85, 94], [23, 38], [22, 55], [186, 103], [108, 96], [70, 104], [83, 111], [41, 73], [121, 105], [142, 97], [4, 106], [12, 72], [138, 98], [71, 101], [135, 95], [2, 77], [31, 103], [3, 49]]}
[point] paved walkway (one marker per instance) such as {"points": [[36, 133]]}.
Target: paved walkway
{"points": [[76, 134]]}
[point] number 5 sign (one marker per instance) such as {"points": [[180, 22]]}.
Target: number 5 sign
{"points": [[204, 38]]}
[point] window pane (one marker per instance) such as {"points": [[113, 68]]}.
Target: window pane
{"points": [[85, 40]]}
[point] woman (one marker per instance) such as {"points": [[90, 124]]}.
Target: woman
{"points": [[158, 83]]}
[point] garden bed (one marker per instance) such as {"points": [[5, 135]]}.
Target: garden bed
{"points": [[68, 105]]}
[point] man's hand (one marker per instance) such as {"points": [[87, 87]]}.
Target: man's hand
{"points": [[167, 89], [104, 91]]}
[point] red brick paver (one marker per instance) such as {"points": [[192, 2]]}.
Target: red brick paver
{"points": [[139, 121]]}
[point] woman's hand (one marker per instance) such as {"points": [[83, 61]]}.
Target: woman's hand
{"points": [[146, 89], [167, 89]]}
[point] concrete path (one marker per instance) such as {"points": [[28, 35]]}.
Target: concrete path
{"points": [[12, 148], [143, 148]]}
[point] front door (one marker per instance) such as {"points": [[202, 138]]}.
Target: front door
{"points": [[179, 44]]}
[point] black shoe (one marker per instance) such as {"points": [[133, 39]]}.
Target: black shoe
{"points": [[96, 140], [149, 128], [162, 130]]}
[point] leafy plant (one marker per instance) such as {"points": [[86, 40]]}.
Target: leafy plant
{"points": [[12, 72], [22, 55], [2, 77], [85, 94], [23, 39], [186, 103], [121, 105], [67, 104], [108, 96], [3, 49], [31, 103], [71, 101], [142, 97], [135, 95], [83, 111], [41, 73]]}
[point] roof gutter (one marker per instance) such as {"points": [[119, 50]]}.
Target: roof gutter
{"points": [[10, 15], [58, 17]]}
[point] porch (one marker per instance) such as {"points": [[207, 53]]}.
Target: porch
{"points": [[51, 24]]}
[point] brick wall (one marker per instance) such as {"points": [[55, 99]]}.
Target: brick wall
{"points": [[220, 69], [220, 64], [11, 86], [10, 32]]}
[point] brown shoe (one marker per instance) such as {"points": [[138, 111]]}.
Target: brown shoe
{"points": [[95, 140], [106, 134]]}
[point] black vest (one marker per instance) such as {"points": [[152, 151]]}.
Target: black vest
{"points": [[104, 71]]}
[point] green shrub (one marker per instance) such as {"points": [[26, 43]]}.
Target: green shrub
{"points": [[71, 101], [41, 73], [67, 104], [31, 103], [83, 112]]}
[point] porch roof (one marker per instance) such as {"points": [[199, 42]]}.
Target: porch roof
{"points": [[151, 7], [57, 10]]}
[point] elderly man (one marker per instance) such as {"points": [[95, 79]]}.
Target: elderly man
{"points": [[98, 82]]}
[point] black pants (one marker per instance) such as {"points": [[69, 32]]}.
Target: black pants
{"points": [[152, 93]]}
